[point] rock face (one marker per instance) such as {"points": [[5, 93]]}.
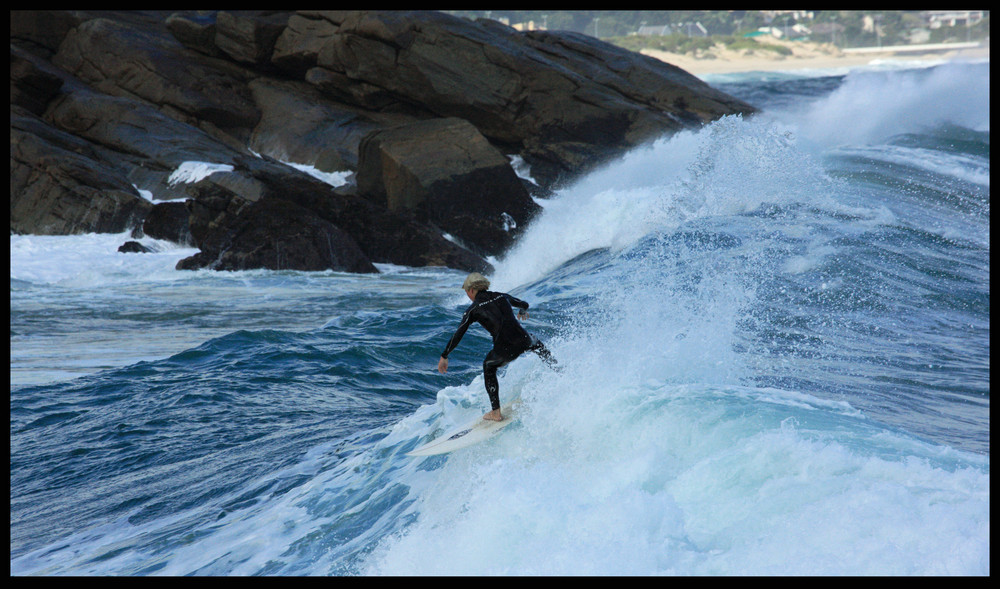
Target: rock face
{"points": [[445, 172], [61, 184], [234, 237], [423, 108]]}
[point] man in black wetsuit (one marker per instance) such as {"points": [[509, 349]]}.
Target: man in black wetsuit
{"points": [[493, 310]]}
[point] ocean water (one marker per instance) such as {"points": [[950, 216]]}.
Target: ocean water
{"points": [[775, 334]]}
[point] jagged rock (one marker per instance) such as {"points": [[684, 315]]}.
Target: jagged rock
{"points": [[383, 235], [249, 37], [349, 233], [60, 185], [299, 44], [42, 31], [32, 87], [273, 234], [169, 221], [541, 93], [124, 60], [320, 134], [195, 30], [104, 103], [150, 144], [133, 247], [445, 172]]}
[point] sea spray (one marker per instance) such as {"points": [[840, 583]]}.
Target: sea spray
{"points": [[656, 451], [871, 107], [691, 480], [731, 167], [776, 361]]}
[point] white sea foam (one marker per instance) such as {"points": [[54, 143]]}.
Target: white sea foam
{"points": [[955, 165], [334, 179], [190, 172], [652, 453], [872, 106], [146, 194], [92, 260], [730, 167], [646, 479]]}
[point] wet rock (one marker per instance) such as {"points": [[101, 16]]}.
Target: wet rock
{"points": [[445, 172], [427, 109], [133, 247], [61, 185]]}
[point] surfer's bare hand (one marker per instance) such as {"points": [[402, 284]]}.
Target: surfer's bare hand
{"points": [[522, 315], [443, 365]]}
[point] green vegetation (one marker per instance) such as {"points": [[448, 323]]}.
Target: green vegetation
{"points": [[683, 44], [844, 28]]}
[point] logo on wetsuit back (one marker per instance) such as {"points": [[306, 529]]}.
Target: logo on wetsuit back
{"points": [[493, 300]]}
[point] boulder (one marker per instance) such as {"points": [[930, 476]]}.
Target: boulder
{"points": [[349, 232], [61, 185], [426, 108], [169, 221], [133, 247], [298, 125], [249, 36], [195, 30], [120, 59], [564, 103], [445, 172], [32, 85], [276, 235]]}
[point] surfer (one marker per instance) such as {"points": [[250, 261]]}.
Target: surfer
{"points": [[494, 311]]}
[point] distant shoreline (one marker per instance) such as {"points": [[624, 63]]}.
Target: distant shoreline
{"points": [[805, 56]]}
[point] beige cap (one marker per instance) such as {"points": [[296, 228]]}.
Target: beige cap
{"points": [[476, 281]]}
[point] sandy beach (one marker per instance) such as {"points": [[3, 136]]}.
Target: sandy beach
{"points": [[804, 56]]}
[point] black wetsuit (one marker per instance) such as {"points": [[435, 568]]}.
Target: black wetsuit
{"points": [[493, 310]]}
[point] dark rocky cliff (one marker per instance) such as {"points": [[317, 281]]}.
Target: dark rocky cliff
{"points": [[425, 109]]}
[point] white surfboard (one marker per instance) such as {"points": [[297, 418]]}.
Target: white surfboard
{"points": [[478, 431]]}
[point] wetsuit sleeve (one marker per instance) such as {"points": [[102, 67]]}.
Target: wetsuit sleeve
{"points": [[457, 337], [516, 302]]}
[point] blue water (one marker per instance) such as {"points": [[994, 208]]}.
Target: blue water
{"points": [[776, 340]]}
